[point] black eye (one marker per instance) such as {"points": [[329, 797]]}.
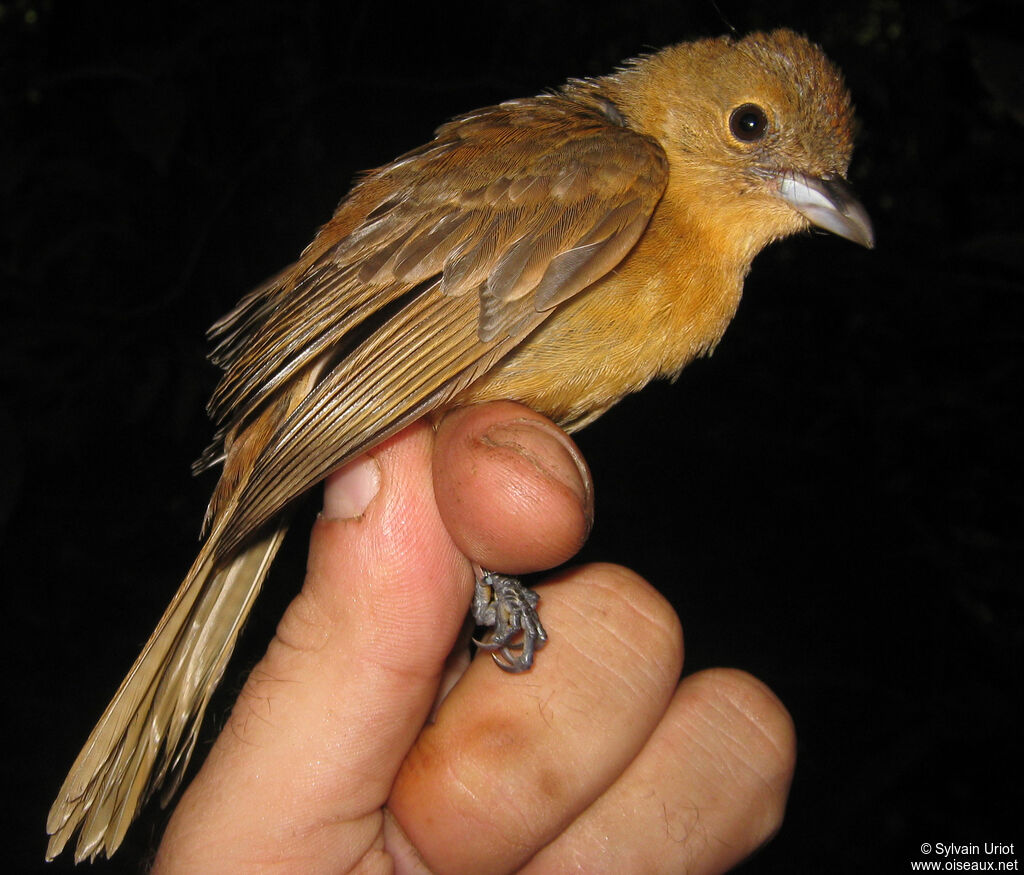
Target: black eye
{"points": [[748, 122]]}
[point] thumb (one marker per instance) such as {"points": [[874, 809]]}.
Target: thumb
{"points": [[309, 754]]}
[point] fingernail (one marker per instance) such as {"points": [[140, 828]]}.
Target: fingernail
{"points": [[548, 449], [349, 491]]}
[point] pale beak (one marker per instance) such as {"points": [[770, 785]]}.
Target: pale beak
{"points": [[828, 202]]}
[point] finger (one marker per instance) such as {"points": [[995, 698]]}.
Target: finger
{"points": [[707, 790], [513, 759], [309, 753], [512, 488]]}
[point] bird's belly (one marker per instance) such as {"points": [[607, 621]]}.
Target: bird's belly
{"points": [[606, 343]]}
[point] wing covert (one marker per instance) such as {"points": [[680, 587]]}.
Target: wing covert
{"points": [[432, 268]]}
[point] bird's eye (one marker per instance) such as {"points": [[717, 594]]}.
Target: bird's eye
{"points": [[748, 122]]}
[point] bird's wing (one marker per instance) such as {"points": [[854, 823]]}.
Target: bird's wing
{"points": [[448, 257]]}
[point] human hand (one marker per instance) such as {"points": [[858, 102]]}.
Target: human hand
{"points": [[597, 759]]}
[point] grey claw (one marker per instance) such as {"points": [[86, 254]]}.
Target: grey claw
{"points": [[509, 609]]}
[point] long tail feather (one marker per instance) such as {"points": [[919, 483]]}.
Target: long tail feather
{"points": [[150, 727]]}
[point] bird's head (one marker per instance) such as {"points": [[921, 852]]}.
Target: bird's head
{"points": [[758, 133]]}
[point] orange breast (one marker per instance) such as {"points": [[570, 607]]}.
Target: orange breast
{"points": [[669, 301]]}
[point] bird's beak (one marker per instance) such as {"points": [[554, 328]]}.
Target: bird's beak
{"points": [[828, 202]]}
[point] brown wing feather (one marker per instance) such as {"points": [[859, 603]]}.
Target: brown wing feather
{"points": [[430, 285]]}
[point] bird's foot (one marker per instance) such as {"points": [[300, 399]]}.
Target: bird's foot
{"points": [[508, 608]]}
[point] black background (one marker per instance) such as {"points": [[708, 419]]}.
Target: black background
{"points": [[832, 501]]}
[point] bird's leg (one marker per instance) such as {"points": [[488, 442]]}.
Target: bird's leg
{"points": [[508, 608]]}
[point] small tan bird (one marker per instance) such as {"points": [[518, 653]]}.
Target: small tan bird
{"points": [[560, 251]]}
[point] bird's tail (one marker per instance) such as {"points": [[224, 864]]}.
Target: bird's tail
{"points": [[150, 727]]}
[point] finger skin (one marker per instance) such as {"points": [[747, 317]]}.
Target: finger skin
{"points": [[512, 760], [591, 762], [711, 784], [512, 489], [298, 777]]}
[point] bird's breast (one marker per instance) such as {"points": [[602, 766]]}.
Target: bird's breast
{"points": [[666, 303]]}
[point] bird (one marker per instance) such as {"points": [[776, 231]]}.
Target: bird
{"points": [[561, 251]]}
